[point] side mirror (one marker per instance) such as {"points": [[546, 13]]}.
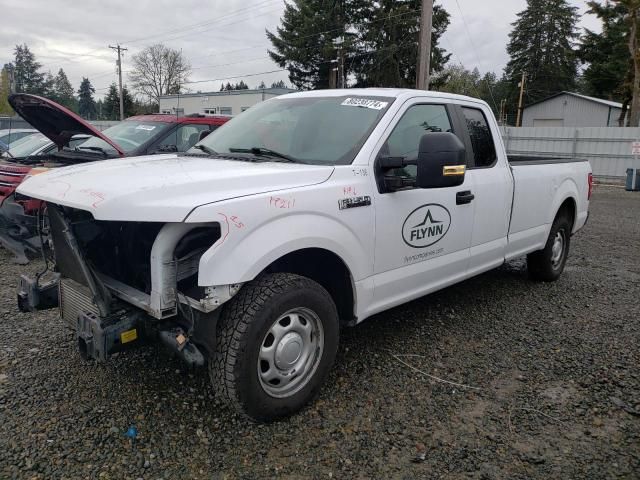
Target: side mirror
{"points": [[166, 149], [203, 134], [441, 161]]}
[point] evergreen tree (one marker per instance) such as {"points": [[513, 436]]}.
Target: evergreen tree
{"points": [[378, 41], [87, 107], [304, 42], [64, 93], [48, 87], [388, 43], [278, 84], [111, 103], [5, 90], [241, 85], [607, 54], [28, 79], [541, 45], [262, 85]]}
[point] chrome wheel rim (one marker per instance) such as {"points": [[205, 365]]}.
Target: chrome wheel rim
{"points": [[290, 352], [557, 250]]}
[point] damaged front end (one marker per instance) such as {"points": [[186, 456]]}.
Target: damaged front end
{"points": [[123, 282]]}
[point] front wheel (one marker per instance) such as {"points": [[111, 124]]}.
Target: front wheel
{"points": [[276, 341], [548, 264]]}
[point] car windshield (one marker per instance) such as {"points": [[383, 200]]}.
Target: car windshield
{"points": [[129, 135], [317, 130], [28, 145]]}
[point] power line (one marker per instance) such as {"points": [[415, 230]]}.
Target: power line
{"points": [[234, 77], [475, 52], [261, 4]]}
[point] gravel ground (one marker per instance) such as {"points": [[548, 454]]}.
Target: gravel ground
{"points": [[554, 366]]}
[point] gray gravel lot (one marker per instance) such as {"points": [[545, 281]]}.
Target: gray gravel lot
{"points": [[556, 367]]}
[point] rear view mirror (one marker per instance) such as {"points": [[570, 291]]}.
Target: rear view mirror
{"points": [[203, 134], [166, 149], [441, 161]]}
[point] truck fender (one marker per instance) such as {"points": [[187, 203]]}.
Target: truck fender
{"points": [[567, 190], [242, 260]]}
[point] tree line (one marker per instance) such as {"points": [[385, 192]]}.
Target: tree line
{"points": [[375, 44], [25, 75]]}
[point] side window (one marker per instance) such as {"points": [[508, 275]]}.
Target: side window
{"points": [[405, 138], [484, 149], [184, 137]]}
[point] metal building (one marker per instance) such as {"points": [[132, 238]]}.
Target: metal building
{"points": [[568, 109], [230, 102]]}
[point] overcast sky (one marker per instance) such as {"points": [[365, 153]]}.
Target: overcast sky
{"points": [[221, 38]]}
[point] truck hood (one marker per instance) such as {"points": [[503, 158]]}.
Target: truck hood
{"points": [[164, 188], [54, 121]]}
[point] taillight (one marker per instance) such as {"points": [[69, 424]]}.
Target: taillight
{"points": [[590, 186]]}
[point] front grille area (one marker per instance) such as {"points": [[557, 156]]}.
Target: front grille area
{"points": [[10, 177], [74, 298]]}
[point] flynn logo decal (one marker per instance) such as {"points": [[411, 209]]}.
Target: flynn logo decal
{"points": [[426, 226]]}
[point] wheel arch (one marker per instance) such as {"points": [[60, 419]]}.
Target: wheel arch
{"points": [[328, 270], [565, 201]]}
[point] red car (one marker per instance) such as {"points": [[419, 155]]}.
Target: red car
{"points": [[135, 136]]}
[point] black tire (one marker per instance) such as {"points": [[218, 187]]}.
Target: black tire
{"points": [[544, 264], [241, 335]]}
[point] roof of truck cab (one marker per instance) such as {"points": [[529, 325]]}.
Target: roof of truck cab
{"points": [[382, 92], [166, 118]]}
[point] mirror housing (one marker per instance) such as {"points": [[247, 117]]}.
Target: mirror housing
{"points": [[441, 161]]}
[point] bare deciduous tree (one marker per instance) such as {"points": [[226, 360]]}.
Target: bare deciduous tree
{"points": [[159, 70]]}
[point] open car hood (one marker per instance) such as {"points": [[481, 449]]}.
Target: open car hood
{"points": [[54, 121]]}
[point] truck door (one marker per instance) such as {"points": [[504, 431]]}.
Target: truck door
{"points": [[488, 170], [422, 235]]}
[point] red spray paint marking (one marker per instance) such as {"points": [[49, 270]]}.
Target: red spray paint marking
{"points": [[278, 202]]}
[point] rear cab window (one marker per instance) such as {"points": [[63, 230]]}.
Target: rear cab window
{"points": [[484, 148]]}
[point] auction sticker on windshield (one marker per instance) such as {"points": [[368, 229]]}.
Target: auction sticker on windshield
{"points": [[148, 128], [365, 102]]}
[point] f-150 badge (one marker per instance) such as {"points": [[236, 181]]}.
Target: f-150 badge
{"points": [[426, 226], [354, 202]]}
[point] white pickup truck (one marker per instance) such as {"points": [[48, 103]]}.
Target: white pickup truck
{"points": [[308, 212]]}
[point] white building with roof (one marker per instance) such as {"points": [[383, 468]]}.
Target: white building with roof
{"points": [[230, 102], [568, 109]]}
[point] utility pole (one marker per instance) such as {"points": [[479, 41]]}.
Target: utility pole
{"points": [[520, 106], [339, 44], [424, 48], [120, 49], [333, 74]]}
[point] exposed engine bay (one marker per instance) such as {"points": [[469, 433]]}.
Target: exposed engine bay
{"points": [[120, 282]]}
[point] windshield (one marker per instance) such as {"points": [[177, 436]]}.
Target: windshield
{"points": [[28, 145], [129, 135], [318, 130]]}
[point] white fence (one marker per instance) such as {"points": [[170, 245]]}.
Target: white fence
{"points": [[608, 149]]}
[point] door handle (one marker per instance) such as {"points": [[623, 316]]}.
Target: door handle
{"points": [[463, 198]]}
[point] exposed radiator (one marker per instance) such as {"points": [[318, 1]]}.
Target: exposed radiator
{"points": [[74, 298]]}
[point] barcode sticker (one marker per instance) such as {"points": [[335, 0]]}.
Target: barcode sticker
{"points": [[365, 102]]}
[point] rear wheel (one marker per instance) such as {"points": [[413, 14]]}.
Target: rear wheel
{"points": [[548, 264], [276, 341]]}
